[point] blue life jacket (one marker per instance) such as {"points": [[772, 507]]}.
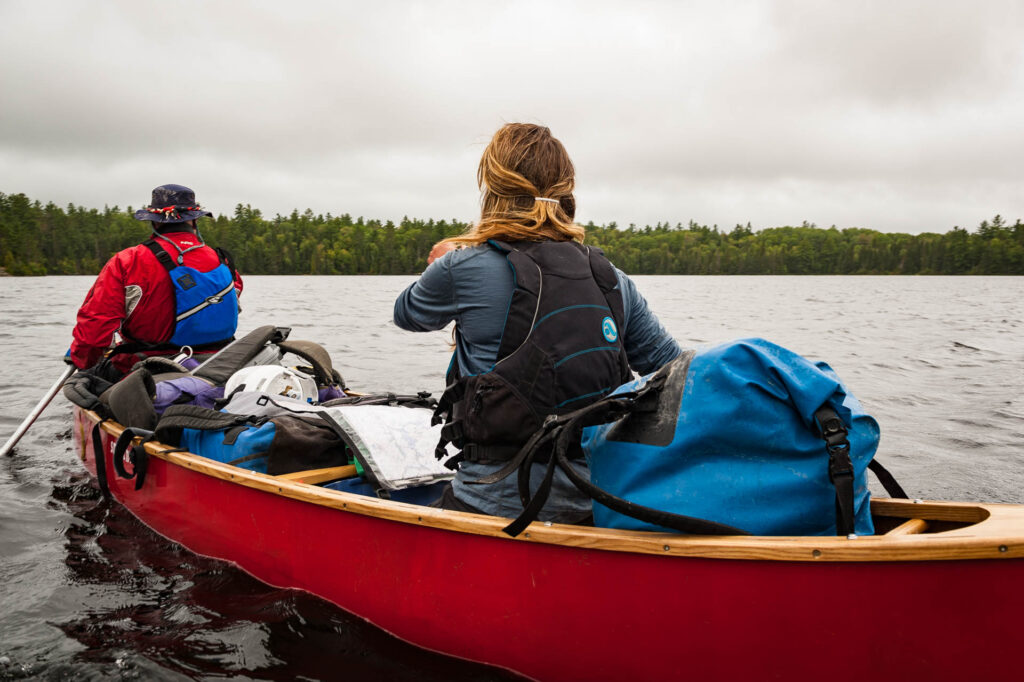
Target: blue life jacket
{"points": [[206, 303]]}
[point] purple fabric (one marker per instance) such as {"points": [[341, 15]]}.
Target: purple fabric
{"points": [[188, 390], [190, 363], [329, 393]]}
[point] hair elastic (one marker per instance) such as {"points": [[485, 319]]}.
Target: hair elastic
{"points": [[550, 201]]}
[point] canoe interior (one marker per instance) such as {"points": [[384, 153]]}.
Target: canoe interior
{"points": [[905, 529]]}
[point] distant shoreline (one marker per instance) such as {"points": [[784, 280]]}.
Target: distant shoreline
{"points": [[45, 239]]}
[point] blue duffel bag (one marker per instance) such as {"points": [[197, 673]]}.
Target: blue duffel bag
{"points": [[743, 437]]}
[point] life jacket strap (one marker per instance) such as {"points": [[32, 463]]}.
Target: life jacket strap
{"points": [[160, 253]]}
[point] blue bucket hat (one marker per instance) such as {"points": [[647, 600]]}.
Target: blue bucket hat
{"points": [[172, 204]]}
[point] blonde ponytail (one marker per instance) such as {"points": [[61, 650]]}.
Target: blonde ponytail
{"points": [[527, 180]]}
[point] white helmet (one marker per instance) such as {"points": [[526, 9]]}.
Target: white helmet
{"points": [[274, 380]]}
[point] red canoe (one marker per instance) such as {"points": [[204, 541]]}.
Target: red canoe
{"points": [[937, 595]]}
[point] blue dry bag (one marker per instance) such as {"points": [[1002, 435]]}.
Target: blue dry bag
{"points": [[242, 446], [742, 434]]}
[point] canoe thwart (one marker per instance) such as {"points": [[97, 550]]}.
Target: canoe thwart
{"points": [[314, 476], [909, 527]]}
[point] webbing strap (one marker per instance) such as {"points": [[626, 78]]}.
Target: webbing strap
{"points": [[559, 439], [100, 457], [887, 480], [179, 417], [316, 356], [160, 253], [136, 455], [133, 346], [840, 467], [565, 437]]}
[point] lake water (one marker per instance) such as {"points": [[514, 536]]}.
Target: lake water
{"points": [[87, 592]]}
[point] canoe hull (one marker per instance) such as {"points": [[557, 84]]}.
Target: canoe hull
{"points": [[565, 613]]}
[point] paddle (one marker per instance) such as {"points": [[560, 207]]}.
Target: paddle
{"points": [[37, 410]]}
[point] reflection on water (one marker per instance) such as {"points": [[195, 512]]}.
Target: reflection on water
{"points": [[198, 617]]}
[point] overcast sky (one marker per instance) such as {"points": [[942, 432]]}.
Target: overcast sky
{"points": [[895, 116]]}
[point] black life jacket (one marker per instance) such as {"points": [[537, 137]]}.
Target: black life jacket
{"points": [[561, 349]]}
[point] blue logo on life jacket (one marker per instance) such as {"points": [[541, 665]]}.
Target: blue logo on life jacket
{"points": [[610, 331]]}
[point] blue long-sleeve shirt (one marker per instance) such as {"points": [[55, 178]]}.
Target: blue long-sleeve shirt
{"points": [[473, 288]]}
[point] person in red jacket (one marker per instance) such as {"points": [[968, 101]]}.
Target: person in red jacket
{"points": [[160, 296]]}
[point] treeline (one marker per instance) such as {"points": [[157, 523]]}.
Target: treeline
{"points": [[37, 239]]}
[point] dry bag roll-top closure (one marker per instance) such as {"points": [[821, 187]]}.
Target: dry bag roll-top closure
{"points": [[560, 350]]}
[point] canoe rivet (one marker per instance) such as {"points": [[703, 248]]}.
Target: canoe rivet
{"points": [[344, 505], [666, 548], [547, 524], [917, 501], [526, 535], [851, 536], [1003, 548], [816, 553], [280, 490], [419, 518]]}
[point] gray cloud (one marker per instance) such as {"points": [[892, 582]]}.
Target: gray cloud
{"points": [[895, 116]]}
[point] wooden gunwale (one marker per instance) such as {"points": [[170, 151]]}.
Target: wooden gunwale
{"points": [[995, 531]]}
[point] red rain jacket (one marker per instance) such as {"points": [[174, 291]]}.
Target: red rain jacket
{"points": [[105, 310]]}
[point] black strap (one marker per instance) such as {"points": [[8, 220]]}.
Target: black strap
{"points": [[133, 346], [558, 439], [444, 414], [421, 399], [161, 255], [227, 259], [219, 368], [136, 455], [453, 393], [99, 455], [566, 437], [316, 356], [887, 480], [179, 417], [488, 454], [840, 467]]}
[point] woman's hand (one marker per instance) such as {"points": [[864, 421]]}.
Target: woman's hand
{"points": [[439, 250]]}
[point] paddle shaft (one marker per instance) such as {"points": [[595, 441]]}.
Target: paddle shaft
{"points": [[36, 411]]}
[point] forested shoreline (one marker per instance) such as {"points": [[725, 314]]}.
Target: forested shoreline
{"points": [[45, 239]]}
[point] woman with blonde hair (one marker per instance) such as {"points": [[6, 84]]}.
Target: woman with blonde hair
{"points": [[543, 324]]}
